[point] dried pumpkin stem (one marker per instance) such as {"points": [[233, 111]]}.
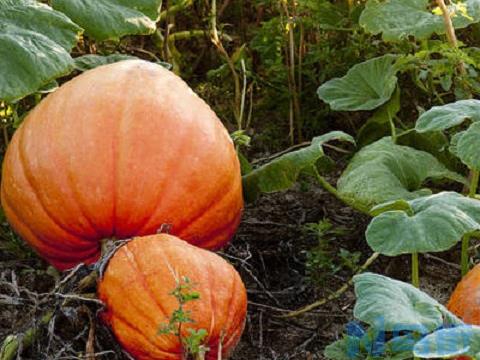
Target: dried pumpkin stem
{"points": [[447, 19]]}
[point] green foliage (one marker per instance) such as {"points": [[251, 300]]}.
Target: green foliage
{"points": [[427, 224], [323, 14], [34, 47], [465, 146], [384, 171], [321, 260], [447, 116], [448, 343], [398, 315], [395, 306], [398, 19], [112, 19], [282, 173], [91, 61], [381, 122], [193, 343], [366, 86]]}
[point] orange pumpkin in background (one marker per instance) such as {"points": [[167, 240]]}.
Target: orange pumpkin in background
{"points": [[117, 152], [136, 289], [465, 299]]}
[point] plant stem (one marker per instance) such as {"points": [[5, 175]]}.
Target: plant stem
{"points": [[11, 344], [474, 183], [292, 83], [6, 140], [415, 275], [447, 20], [244, 93], [464, 257], [337, 293], [393, 130], [172, 10], [236, 79], [450, 31], [326, 185], [472, 191]]}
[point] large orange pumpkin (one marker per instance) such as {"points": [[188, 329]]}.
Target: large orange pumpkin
{"points": [[120, 151], [136, 289], [465, 299]]}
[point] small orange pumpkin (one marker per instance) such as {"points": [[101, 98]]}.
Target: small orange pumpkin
{"points": [[120, 151], [136, 289], [465, 299]]}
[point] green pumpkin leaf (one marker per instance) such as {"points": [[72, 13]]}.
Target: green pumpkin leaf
{"points": [[446, 116], [323, 13], [366, 86], [112, 19], [282, 172], [392, 305], [398, 19], [35, 42], [378, 125], [448, 343], [384, 171], [466, 145], [433, 142], [342, 349], [91, 61], [435, 223]]}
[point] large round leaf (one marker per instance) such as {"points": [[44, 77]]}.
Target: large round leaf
{"points": [[449, 115], [398, 19], [395, 306], [366, 86], [384, 171], [112, 19], [34, 47], [428, 224]]}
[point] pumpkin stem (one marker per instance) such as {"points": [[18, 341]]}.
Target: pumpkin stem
{"points": [[200, 356]]}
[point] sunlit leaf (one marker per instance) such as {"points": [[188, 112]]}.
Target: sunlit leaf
{"points": [[446, 116], [366, 86], [466, 146], [395, 306], [384, 171], [433, 223]]}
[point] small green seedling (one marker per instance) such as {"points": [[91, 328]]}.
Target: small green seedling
{"points": [[193, 347]]}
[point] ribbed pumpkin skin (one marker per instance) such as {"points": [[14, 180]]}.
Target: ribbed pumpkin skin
{"points": [[117, 152], [465, 299], [136, 286]]}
